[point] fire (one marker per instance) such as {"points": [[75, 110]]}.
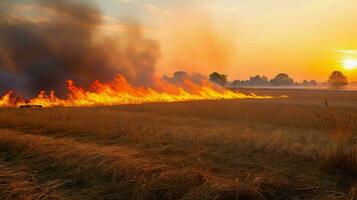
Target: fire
{"points": [[121, 92], [6, 100]]}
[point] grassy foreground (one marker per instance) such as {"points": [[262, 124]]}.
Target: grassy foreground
{"points": [[236, 149]]}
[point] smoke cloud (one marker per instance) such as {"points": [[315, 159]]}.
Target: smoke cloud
{"points": [[62, 40], [194, 43]]}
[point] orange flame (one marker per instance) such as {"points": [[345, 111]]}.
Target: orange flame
{"points": [[121, 92], [6, 100]]}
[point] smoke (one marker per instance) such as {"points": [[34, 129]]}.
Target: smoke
{"points": [[196, 43], [62, 40], [179, 78]]}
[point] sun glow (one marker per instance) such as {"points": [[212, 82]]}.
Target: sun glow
{"points": [[349, 64]]}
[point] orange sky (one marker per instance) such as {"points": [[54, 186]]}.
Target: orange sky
{"points": [[244, 38]]}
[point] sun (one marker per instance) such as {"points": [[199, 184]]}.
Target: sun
{"points": [[349, 64]]}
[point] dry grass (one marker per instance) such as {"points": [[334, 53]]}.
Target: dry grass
{"points": [[16, 184], [343, 153], [240, 149], [117, 167]]}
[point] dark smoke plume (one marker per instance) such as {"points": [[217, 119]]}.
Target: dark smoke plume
{"points": [[65, 43]]}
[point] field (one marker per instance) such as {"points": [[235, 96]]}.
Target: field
{"points": [[228, 149]]}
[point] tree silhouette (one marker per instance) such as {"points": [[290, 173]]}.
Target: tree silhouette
{"points": [[220, 79], [308, 83], [337, 80], [282, 80], [258, 80], [254, 81]]}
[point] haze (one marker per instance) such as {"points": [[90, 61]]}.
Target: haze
{"points": [[306, 39]]}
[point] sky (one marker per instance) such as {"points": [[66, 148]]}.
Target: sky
{"points": [[307, 39], [242, 38]]}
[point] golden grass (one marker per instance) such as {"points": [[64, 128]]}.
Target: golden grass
{"points": [[246, 149], [88, 161]]}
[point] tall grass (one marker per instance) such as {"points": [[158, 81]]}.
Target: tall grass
{"points": [[343, 153]]}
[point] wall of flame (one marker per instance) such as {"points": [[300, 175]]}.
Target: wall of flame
{"points": [[119, 92]]}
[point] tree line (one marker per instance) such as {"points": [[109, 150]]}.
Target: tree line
{"points": [[336, 80]]}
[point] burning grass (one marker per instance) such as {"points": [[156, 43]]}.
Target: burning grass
{"points": [[121, 92]]}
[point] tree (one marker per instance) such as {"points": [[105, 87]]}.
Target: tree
{"points": [[258, 81], [237, 83], [337, 80], [219, 79], [282, 80], [308, 83], [254, 81], [180, 77]]}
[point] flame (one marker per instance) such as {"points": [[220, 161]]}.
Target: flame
{"points": [[7, 100], [121, 92]]}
